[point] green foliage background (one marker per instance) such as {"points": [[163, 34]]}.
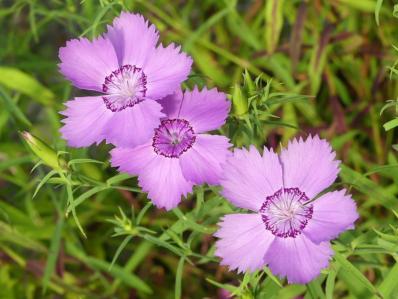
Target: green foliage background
{"points": [[330, 62]]}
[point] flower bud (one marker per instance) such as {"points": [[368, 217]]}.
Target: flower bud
{"points": [[251, 87], [43, 151], [239, 102]]}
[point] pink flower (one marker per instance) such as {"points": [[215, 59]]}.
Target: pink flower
{"points": [[287, 231], [130, 72], [180, 154]]}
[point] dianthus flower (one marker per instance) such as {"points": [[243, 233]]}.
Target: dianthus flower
{"points": [[291, 228], [130, 72], [180, 154]]}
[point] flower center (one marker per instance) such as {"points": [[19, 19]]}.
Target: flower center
{"points": [[124, 88], [285, 213], [173, 137]]}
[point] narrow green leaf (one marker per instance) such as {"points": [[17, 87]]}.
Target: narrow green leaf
{"points": [[381, 168], [33, 23], [13, 108], [141, 214], [315, 289], [285, 98], [204, 27], [118, 178], [330, 282], [280, 124], [11, 162], [12, 235], [272, 276], [98, 18], [363, 5], [354, 273], [376, 194], [191, 223], [391, 124], [116, 271], [136, 258], [53, 253], [85, 196], [389, 283], [26, 84], [239, 27], [120, 249], [205, 61], [377, 11], [225, 286], [69, 192], [43, 181], [274, 22], [291, 291], [268, 289], [178, 282], [388, 105], [80, 161], [161, 243], [143, 249]]}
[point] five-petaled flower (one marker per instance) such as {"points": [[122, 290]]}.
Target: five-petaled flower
{"points": [[289, 231], [130, 71], [180, 154]]}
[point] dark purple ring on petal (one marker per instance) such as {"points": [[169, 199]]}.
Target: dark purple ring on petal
{"points": [[124, 87], [173, 137], [285, 214]]}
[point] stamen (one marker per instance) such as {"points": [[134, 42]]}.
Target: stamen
{"points": [[285, 214], [124, 88], [173, 137]]}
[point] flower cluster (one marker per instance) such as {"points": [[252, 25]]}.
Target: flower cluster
{"points": [[160, 134]]}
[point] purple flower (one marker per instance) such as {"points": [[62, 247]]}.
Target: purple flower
{"points": [[288, 231], [130, 71], [179, 154]]}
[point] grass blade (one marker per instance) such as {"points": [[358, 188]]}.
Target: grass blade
{"points": [[377, 11], [355, 274], [53, 253], [13, 109], [389, 283], [120, 249], [180, 269]]}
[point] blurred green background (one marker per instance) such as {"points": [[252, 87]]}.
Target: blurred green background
{"points": [[332, 68]]}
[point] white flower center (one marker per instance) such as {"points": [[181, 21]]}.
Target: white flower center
{"points": [[124, 88], [285, 213]]}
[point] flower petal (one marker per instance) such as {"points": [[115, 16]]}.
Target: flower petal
{"points": [[134, 125], [298, 258], [87, 63], [132, 160], [202, 163], [166, 69], [333, 213], [309, 165], [171, 104], [243, 242], [85, 121], [249, 177], [162, 178], [206, 110], [134, 38]]}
